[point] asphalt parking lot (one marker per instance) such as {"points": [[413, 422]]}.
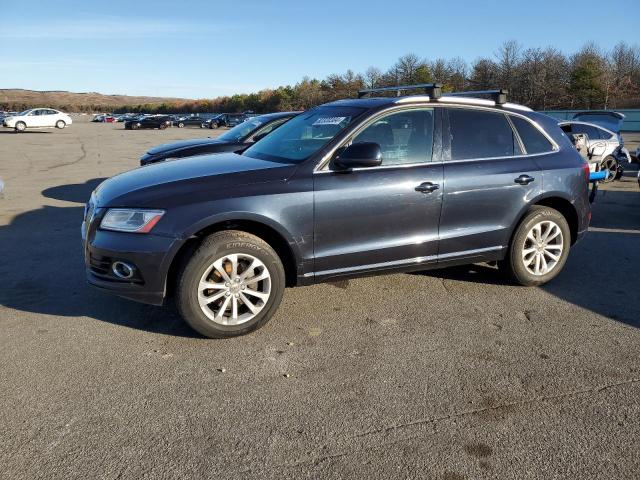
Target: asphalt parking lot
{"points": [[450, 374]]}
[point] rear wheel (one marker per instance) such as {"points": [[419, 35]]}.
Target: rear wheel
{"points": [[162, 126], [231, 285], [60, 124], [20, 127], [611, 164], [180, 125], [539, 247]]}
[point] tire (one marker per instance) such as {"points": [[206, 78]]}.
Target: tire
{"points": [[162, 126], [212, 126], [515, 262], [611, 163], [215, 255], [60, 124], [20, 127], [181, 125]]}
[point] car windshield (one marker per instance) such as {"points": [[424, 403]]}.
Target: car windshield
{"points": [[21, 114], [305, 134], [241, 131]]}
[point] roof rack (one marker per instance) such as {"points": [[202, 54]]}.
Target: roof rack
{"points": [[434, 90], [498, 96]]}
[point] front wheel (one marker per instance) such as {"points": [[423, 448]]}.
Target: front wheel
{"points": [[20, 127], [539, 247], [180, 125], [60, 124], [232, 284]]}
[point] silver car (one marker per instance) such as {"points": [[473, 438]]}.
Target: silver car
{"points": [[602, 146]]}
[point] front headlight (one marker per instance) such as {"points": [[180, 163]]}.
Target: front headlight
{"points": [[130, 220]]}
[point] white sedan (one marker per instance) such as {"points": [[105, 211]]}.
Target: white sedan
{"points": [[37, 118]]}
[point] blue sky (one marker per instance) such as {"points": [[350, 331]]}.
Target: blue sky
{"points": [[202, 49]]}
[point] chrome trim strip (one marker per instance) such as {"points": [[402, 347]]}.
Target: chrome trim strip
{"points": [[465, 253], [359, 268], [400, 263]]}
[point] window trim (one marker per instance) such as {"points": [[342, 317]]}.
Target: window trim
{"points": [[325, 163], [322, 166]]}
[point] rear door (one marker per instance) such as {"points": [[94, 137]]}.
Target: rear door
{"points": [[383, 217], [49, 117], [488, 182]]}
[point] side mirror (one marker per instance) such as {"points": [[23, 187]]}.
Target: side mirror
{"points": [[359, 155]]}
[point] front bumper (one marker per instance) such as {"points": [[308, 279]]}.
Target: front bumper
{"points": [[150, 255]]}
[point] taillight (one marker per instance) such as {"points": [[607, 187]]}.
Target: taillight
{"points": [[587, 172]]}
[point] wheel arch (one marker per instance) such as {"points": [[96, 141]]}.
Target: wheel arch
{"points": [[261, 227], [558, 202]]}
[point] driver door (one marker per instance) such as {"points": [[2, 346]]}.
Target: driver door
{"points": [[381, 218]]}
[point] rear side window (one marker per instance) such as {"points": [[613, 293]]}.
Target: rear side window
{"points": [[479, 134], [532, 138], [591, 132]]}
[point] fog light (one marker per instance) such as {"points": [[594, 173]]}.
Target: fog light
{"points": [[122, 270]]}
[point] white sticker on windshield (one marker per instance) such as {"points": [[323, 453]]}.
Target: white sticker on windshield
{"points": [[329, 120]]}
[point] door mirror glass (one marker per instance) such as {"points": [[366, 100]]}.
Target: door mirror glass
{"points": [[359, 155]]}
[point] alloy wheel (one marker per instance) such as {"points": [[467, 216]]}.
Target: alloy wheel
{"points": [[234, 289], [542, 249], [611, 164]]}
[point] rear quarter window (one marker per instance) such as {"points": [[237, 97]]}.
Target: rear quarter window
{"points": [[532, 138]]}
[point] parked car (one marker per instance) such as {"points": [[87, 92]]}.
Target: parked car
{"points": [[37, 118], [225, 120], [611, 121], [346, 189], [602, 146], [238, 138], [190, 121], [155, 121]]}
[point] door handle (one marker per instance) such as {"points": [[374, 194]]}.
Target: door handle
{"points": [[427, 187], [524, 180]]}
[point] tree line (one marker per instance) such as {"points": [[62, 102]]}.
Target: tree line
{"points": [[541, 78]]}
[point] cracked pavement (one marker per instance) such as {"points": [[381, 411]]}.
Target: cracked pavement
{"points": [[451, 374]]}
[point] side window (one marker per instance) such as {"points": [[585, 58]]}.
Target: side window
{"points": [[405, 137], [592, 132], [270, 128], [33, 113], [534, 141], [480, 134], [604, 134]]}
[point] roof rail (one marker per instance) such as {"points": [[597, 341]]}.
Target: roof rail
{"points": [[434, 90], [498, 96]]}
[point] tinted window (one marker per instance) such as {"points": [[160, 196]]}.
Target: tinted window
{"points": [[534, 141], [592, 132], [478, 134], [404, 137], [604, 134]]}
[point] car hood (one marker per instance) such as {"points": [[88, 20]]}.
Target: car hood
{"points": [[168, 147], [157, 184]]}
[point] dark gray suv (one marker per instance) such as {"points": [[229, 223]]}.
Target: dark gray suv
{"points": [[351, 188]]}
